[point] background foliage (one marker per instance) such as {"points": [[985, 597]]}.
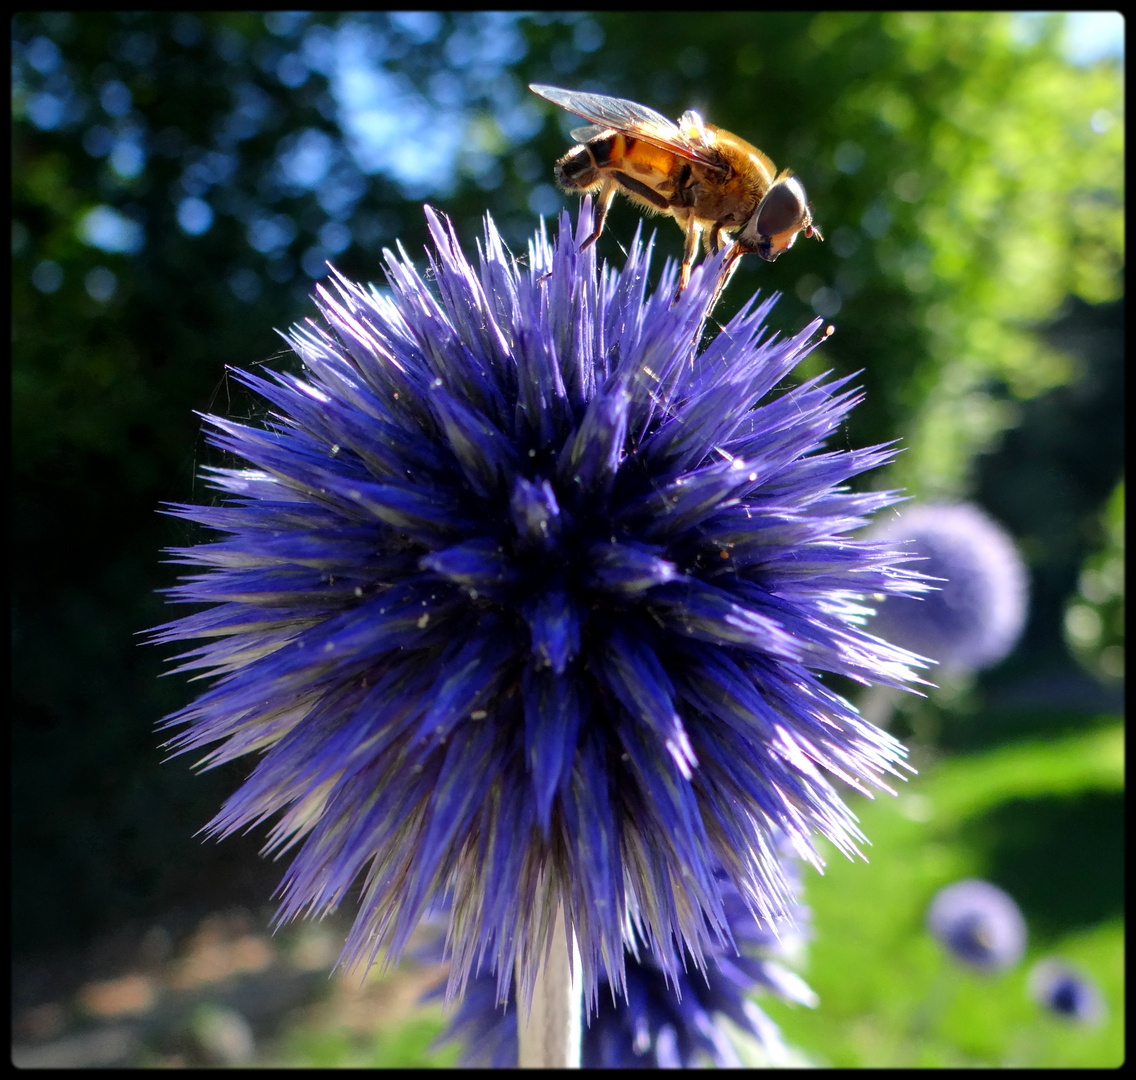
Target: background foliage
{"points": [[179, 181]]}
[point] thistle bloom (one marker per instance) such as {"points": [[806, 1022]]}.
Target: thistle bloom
{"points": [[659, 1023], [978, 924], [977, 614], [523, 605]]}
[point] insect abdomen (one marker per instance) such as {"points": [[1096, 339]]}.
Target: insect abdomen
{"points": [[613, 156], [579, 169]]}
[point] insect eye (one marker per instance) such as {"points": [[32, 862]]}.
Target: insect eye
{"points": [[782, 209]]}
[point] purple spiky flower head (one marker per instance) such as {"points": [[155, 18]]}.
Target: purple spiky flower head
{"points": [[523, 604], [976, 614], [656, 1022]]}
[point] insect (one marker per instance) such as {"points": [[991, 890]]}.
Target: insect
{"points": [[704, 177]]}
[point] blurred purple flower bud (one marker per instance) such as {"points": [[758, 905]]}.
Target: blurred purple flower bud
{"points": [[1066, 992], [978, 613], [978, 924]]}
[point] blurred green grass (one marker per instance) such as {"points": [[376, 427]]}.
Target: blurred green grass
{"points": [[406, 1046]]}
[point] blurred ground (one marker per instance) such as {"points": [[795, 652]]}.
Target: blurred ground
{"points": [[214, 990]]}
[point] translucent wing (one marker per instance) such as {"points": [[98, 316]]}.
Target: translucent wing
{"points": [[630, 118], [586, 134]]}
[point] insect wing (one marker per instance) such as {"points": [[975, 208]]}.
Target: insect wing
{"points": [[587, 134], [629, 117]]}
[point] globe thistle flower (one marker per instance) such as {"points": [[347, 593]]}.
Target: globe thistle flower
{"points": [[523, 603], [978, 612], [656, 1022], [1066, 992], [978, 924]]}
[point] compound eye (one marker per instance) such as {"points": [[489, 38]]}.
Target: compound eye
{"points": [[783, 210]]}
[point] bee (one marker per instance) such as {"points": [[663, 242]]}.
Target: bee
{"points": [[704, 177]]}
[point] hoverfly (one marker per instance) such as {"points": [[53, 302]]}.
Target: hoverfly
{"points": [[701, 175]]}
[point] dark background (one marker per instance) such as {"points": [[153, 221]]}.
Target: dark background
{"points": [[968, 178]]}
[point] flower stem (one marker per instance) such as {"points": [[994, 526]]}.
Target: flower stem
{"points": [[549, 1037]]}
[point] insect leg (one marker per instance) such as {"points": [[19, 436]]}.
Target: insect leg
{"points": [[728, 267], [689, 254], [603, 204], [714, 240]]}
